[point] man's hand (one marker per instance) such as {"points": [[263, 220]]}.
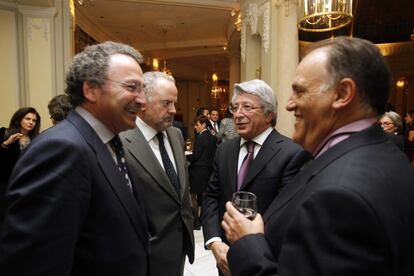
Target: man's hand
{"points": [[237, 226], [219, 250]]}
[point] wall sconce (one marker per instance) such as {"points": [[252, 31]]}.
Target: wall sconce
{"points": [[401, 83]]}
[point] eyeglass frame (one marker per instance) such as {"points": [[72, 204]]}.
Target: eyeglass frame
{"points": [[131, 87], [243, 108]]}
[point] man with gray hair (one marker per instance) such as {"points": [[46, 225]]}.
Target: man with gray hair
{"points": [[155, 153], [350, 210], [73, 209], [274, 160]]}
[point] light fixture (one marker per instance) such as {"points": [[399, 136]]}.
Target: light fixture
{"points": [[216, 90], [238, 21], [324, 15], [155, 64], [165, 69], [401, 83]]}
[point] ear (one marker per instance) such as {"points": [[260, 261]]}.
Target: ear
{"points": [[345, 93], [89, 92]]}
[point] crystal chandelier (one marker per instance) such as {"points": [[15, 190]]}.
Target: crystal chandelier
{"points": [[324, 15], [216, 90]]}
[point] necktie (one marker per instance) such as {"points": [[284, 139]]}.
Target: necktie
{"points": [[215, 127], [168, 165], [120, 157], [244, 168]]}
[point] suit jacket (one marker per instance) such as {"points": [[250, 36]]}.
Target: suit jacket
{"points": [[70, 211], [277, 162], [8, 157], [169, 215], [202, 161], [349, 212]]}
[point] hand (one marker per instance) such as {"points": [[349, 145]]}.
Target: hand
{"points": [[237, 226], [219, 250], [12, 138]]}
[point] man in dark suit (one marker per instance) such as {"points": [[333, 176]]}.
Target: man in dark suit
{"points": [[201, 166], [276, 159], [155, 153], [214, 121], [72, 211], [350, 210]]}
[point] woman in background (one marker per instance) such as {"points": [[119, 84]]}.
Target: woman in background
{"points": [[24, 126], [227, 130], [409, 136], [391, 123], [201, 165]]}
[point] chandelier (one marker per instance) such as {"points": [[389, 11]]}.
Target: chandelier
{"points": [[165, 69], [324, 15], [216, 90]]}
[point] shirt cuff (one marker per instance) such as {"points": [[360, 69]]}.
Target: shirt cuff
{"points": [[213, 239]]}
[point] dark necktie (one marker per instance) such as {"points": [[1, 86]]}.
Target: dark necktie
{"points": [[168, 165], [244, 168], [120, 157]]}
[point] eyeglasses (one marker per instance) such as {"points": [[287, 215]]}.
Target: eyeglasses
{"points": [[243, 108], [131, 87], [386, 123]]}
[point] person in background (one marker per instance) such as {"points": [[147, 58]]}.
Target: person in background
{"points": [[73, 209], [205, 112], [227, 129], [409, 136], [350, 210], [155, 153], [201, 166], [391, 123], [23, 128], [214, 121], [273, 161], [59, 108]]}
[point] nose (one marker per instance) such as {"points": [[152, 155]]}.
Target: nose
{"points": [[171, 108], [290, 105], [140, 98]]}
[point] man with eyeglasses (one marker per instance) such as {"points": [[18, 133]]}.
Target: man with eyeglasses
{"points": [[274, 160], [155, 153], [73, 209], [350, 210]]}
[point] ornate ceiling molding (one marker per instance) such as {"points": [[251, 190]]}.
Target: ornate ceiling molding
{"points": [[251, 15]]}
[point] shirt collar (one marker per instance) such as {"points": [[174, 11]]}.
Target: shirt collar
{"points": [[259, 139], [355, 126], [148, 132], [101, 130]]}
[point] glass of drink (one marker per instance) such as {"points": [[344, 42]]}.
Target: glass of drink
{"points": [[245, 203]]}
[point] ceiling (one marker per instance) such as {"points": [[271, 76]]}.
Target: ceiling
{"points": [[196, 32]]}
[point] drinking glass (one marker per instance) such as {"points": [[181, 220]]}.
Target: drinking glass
{"points": [[245, 203]]}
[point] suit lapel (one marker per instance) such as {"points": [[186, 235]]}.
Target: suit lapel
{"points": [[363, 138], [111, 173], [233, 159], [140, 150], [269, 149]]}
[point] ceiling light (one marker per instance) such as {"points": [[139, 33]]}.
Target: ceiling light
{"points": [[324, 15]]}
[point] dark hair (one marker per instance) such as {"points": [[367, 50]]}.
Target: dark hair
{"points": [[92, 65], [59, 108], [202, 119], [200, 111], [228, 114], [361, 61], [15, 122]]}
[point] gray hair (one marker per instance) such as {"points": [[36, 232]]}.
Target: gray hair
{"points": [[150, 82], [361, 61], [395, 118], [263, 91], [92, 65]]}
